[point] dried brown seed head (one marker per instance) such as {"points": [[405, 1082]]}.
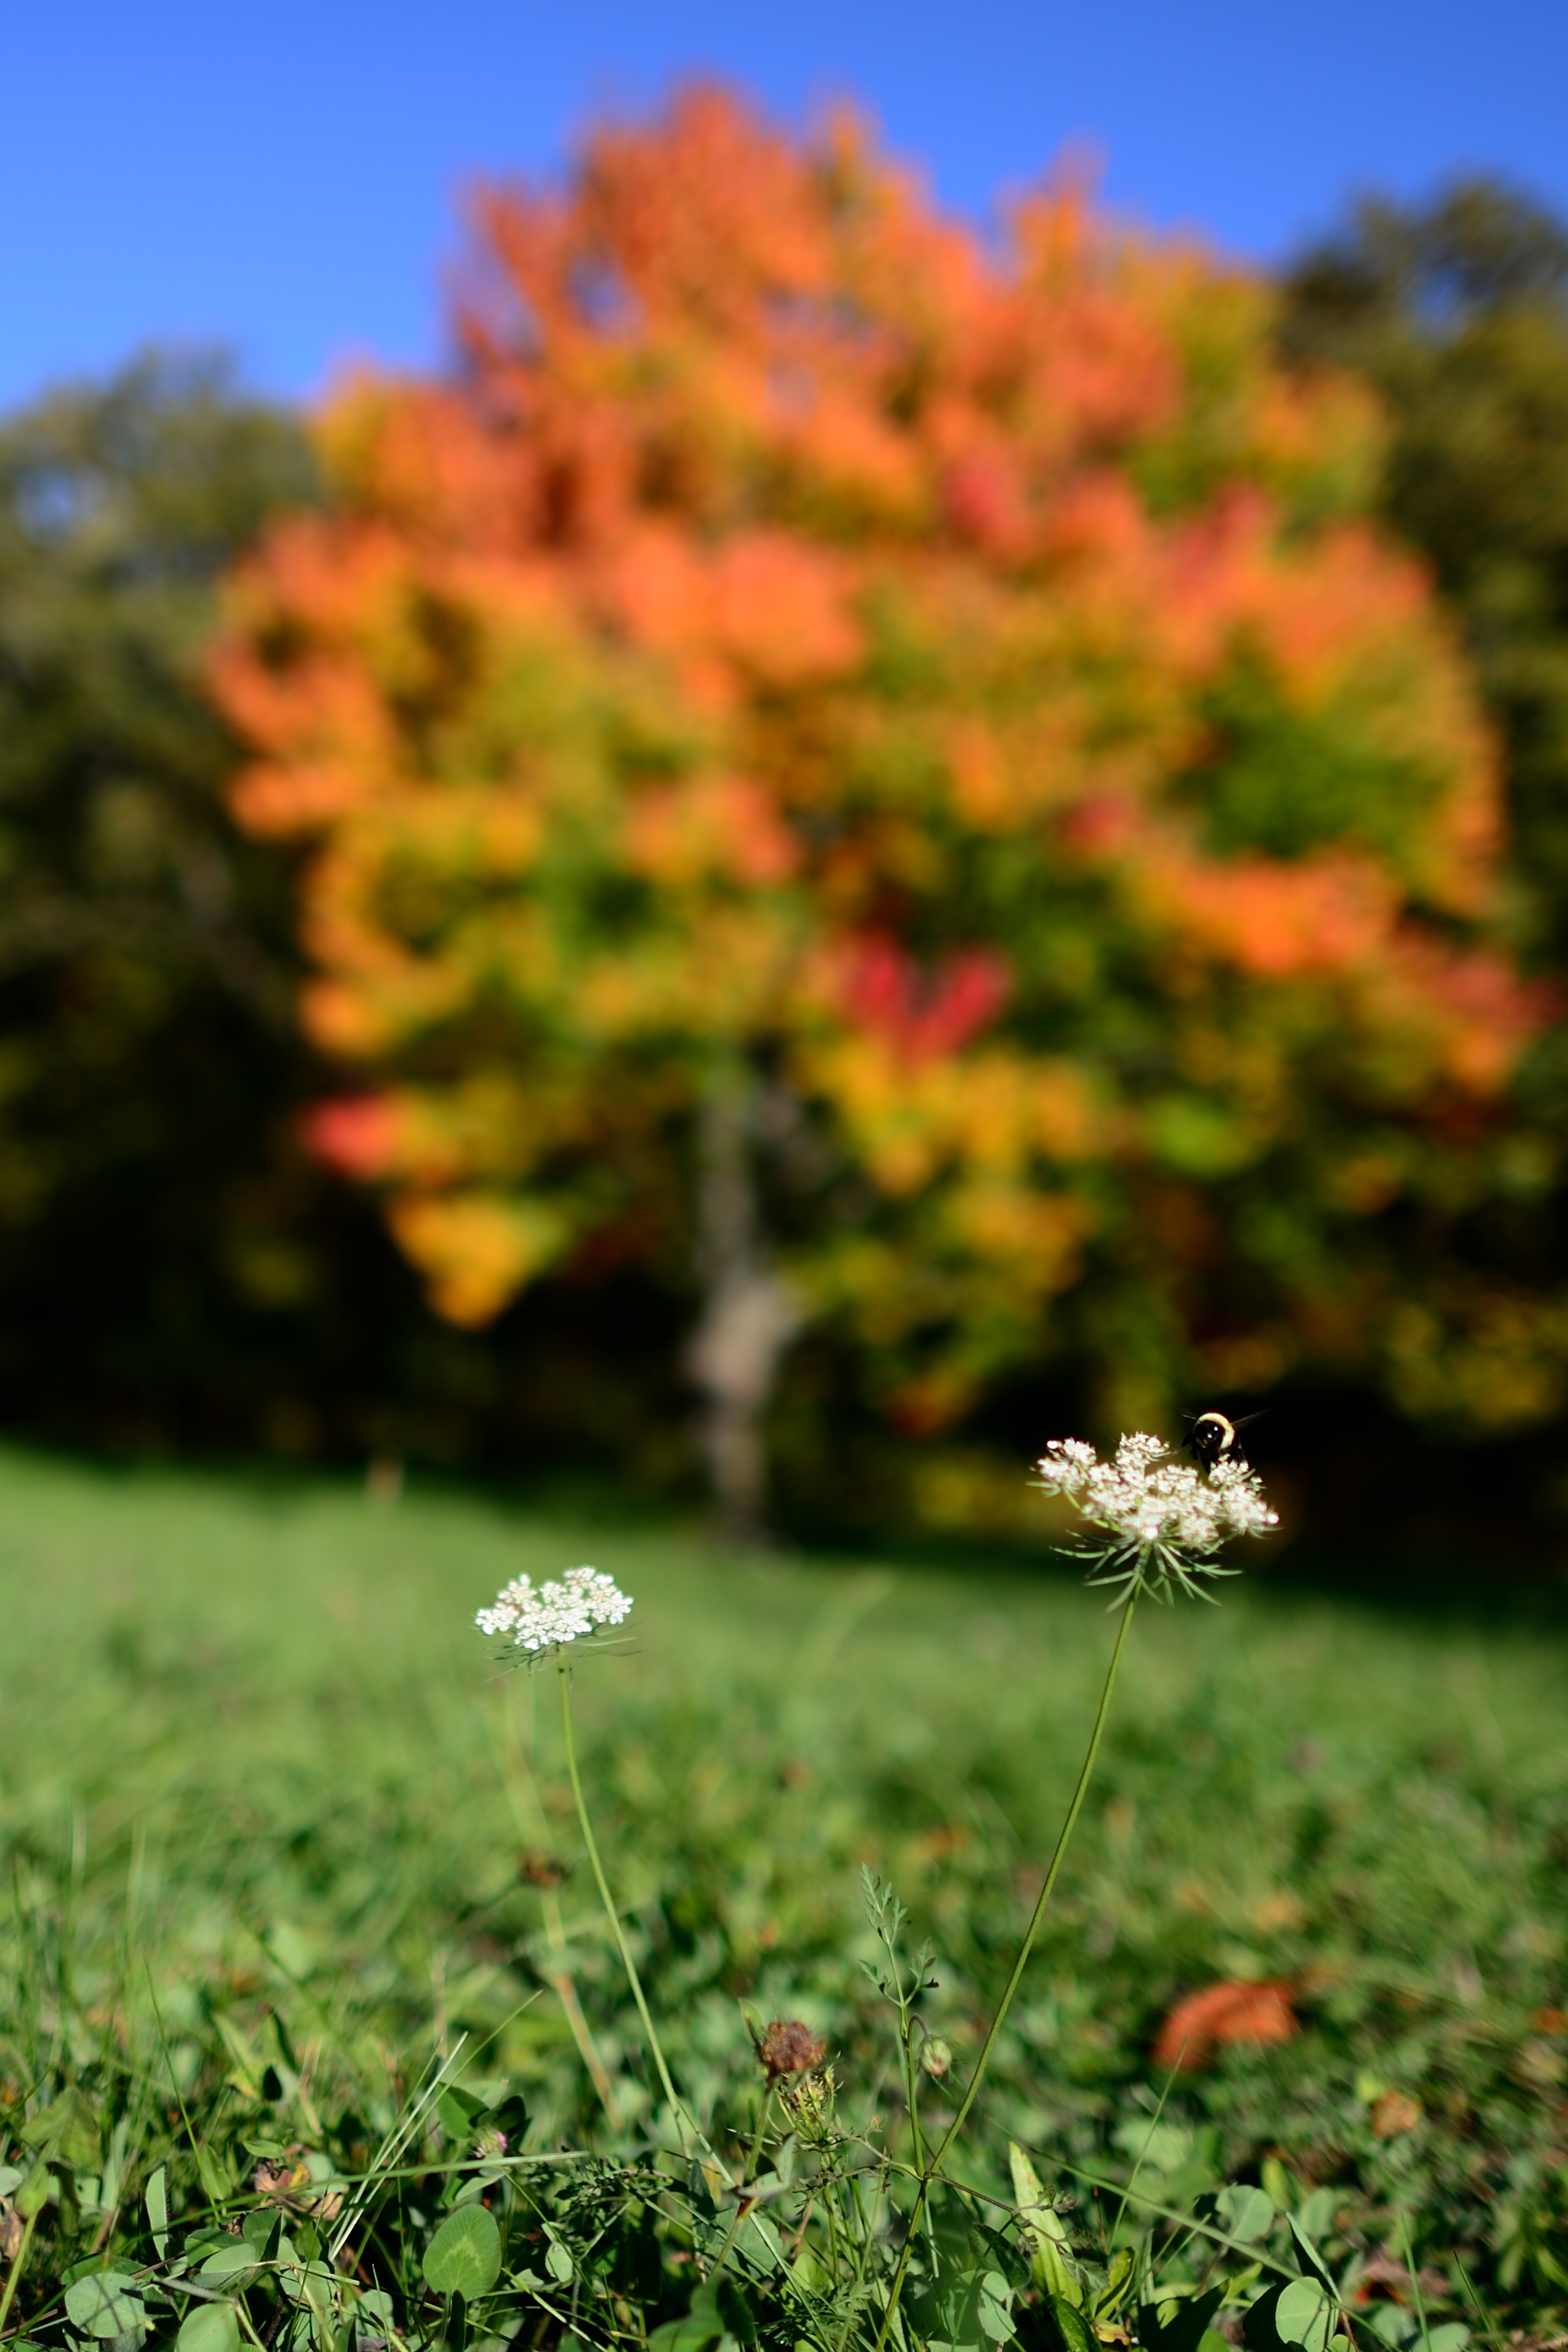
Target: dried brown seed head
{"points": [[788, 2047]]}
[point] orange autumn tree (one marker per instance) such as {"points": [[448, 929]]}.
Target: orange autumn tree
{"points": [[888, 777]]}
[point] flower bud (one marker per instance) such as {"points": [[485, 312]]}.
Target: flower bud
{"points": [[936, 2056]]}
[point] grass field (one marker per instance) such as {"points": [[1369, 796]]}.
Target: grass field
{"points": [[277, 1831]]}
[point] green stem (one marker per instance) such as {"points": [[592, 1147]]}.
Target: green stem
{"points": [[911, 2092], [830, 2206], [864, 2233], [754, 2158], [562, 1979], [678, 2106], [1042, 1903], [911, 2064], [1414, 2283], [18, 2260], [518, 1780], [742, 2207]]}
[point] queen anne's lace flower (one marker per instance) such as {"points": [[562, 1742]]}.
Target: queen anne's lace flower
{"points": [[540, 1617], [1161, 1520]]}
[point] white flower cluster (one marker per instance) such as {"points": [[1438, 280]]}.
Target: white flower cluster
{"points": [[540, 1617], [1146, 1497], [1157, 1514]]}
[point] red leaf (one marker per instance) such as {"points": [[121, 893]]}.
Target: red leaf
{"points": [[351, 1134]]}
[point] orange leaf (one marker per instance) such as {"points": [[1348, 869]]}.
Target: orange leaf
{"points": [[1229, 2011]]}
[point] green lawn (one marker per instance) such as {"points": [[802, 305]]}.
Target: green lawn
{"points": [[265, 1800]]}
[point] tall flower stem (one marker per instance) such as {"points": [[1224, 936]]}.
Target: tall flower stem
{"points": [[930, 2170], [519, 1783], [678, 2104]]}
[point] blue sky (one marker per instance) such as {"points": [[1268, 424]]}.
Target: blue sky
{"points": [[283, 177]]}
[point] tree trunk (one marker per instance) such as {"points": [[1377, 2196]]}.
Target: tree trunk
{"points": [[748, 1314]]}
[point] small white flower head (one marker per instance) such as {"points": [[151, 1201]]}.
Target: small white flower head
{"points": [[1160, 1521], [527, 1616]]}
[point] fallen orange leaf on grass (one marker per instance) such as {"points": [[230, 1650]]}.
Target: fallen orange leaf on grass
{"points": [[1228, 2011]]}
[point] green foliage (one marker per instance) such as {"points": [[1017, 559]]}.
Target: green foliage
{"points": [[146, 1064], [209, 2327], [65, 2131], [1458, 312], [103, 2304], [464, 2256], [1050, 2256], [174, 1266], [264, 1779]]}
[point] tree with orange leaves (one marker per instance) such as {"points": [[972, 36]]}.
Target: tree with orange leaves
{"points": [[889, 777]]}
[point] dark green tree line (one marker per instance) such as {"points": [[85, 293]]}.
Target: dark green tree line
{"points": [[150, 1203], [1457, 312], [175, 1269]]}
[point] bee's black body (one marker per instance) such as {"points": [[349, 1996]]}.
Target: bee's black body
{"points": [[1212, 1438]]}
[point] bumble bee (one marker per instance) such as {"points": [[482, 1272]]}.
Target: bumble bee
{"points": [[1211, 1436]]}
